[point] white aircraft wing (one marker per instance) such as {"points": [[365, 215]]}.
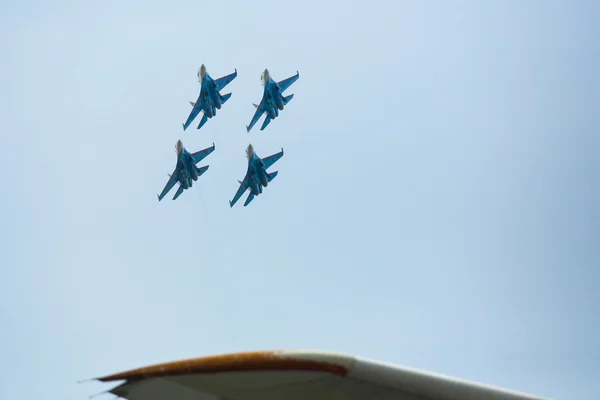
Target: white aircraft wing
{"points": [[296, 375]]}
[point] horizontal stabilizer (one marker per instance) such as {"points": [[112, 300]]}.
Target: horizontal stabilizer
{"points": [[179, 191], [272, 175], [202, 170], [249, 199], [225, 97], [203, 121], [287, 99], [264, 125]]}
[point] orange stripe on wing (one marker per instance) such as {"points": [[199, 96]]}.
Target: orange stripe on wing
{"points": [[237, 362]]}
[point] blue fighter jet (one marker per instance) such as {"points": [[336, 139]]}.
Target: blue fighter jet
{"points": [[185, 171], [256, 175], [209, 100], [273, 100]]}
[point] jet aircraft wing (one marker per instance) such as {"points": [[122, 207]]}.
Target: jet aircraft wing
{"points": [[197, 107], [172, 181], [286, 83], [268, 161], [200, 155], [225, 80], [296, 375], [260, 109], [240, 191]]}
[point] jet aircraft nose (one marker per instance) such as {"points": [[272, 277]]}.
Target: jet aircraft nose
{"points": [[179, 146], [265, 76]]}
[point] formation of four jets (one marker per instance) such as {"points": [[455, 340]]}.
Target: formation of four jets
{"points": [[209, 101]]}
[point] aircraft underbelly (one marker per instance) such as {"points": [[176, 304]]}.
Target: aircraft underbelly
{"points": [[279, 102], [263, 179]]}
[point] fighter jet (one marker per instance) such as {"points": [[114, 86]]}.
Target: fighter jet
{"points": [[209, 100], [256, 175], [186, 171], [273, 100]]}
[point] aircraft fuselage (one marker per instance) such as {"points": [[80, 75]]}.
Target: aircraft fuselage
{"points": [[274, 99], [257, 175], [188, 173], [210, 97]]}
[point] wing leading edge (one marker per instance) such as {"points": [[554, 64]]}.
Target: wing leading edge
{"points": [[200, 155], [196, 108], [272, 159], [286, 83], [260, 109], [225, 80], [170, 183], [297, 375], [240, 191]]}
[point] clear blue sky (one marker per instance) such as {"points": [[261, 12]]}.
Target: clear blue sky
{"points": [[437, 205]]}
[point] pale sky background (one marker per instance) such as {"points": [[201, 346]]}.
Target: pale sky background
{"points": [[437, 205]]}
